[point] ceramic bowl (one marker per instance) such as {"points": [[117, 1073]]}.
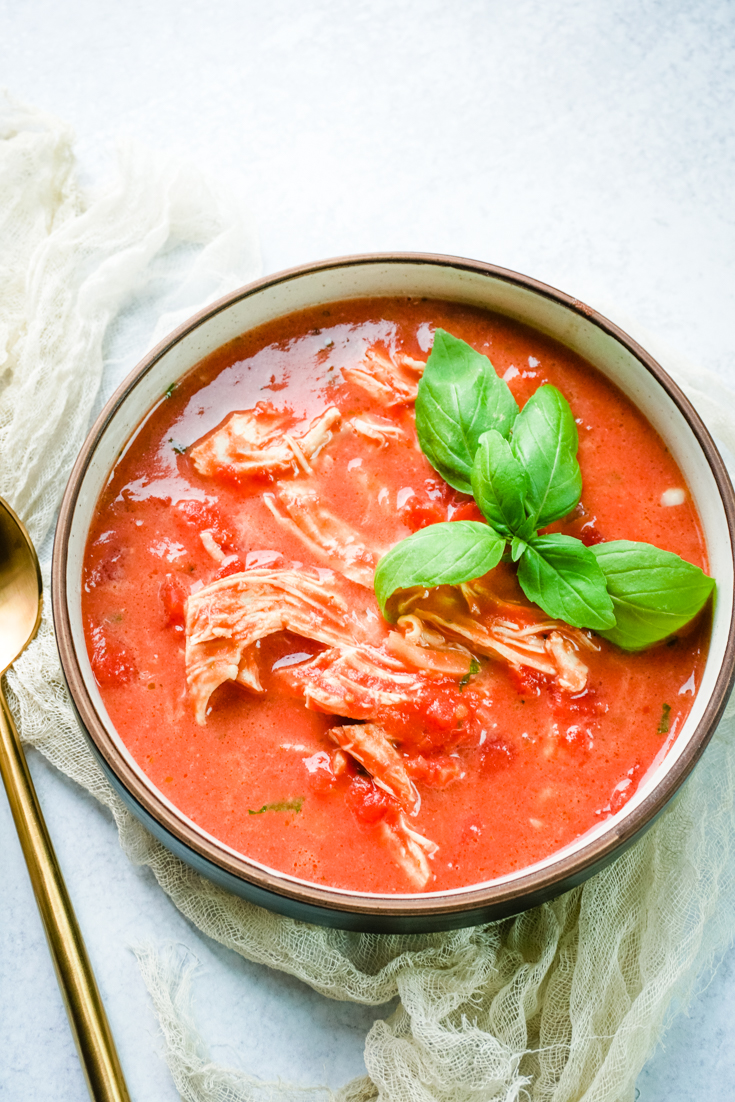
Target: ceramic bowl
{"points": [[542, 308]]}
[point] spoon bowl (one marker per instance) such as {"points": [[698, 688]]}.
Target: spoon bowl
{"points": [[20, 588]]}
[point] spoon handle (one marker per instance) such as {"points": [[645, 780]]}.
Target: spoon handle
{"points": [[87, 1016]]}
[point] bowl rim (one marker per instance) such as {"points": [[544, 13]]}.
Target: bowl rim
{"points": [[507, 897]]}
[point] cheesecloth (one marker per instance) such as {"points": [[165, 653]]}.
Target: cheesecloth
{"points": [[562, 1003]]}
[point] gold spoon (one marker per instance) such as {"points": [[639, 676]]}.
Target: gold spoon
{"points": [[20, 615]]}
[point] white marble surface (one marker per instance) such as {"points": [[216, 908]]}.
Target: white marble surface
{"points": [[590, 145]]}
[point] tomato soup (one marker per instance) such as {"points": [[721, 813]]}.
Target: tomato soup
{"points": [[241, 654]]}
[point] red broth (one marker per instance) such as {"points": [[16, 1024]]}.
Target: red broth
{"points": [[508, 767]]}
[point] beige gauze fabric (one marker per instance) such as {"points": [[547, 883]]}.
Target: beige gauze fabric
{"points": [[560, 1004]]}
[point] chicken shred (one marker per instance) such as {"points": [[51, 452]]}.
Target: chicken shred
{"points": [[355, 681], [379, 430], [391, 380], [326, 536], [449, 661], [369, 744], [257, 441], [226, 617], [411, 850], [548, 647], [572, 672]]}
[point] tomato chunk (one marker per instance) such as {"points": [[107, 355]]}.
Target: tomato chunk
{"points": [[436, 771], [112, 663], [205, 516], [173, 601], [467, 511], [232, 565], [368, 803], [496, 755]]}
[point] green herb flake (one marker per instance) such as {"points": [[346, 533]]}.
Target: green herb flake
{"points": [[169, 390], [284, 805], [663, 723], [179, 449], [474, 668]]}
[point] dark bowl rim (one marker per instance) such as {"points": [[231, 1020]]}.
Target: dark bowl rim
{"points": [[502, 897]]}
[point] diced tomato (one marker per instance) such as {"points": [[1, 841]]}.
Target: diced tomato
{"points": [[589, 535], [368, 803], [578, 740], [204, 515], [420, 514], [496, 755], [107, 569], [321, 777], [173, 600], [435, 721], [436, 771], [432, 503], [568, 705], [200, 514], [579, 524], [441, 713], [467, 511], [112, 663], [528, 682], [232, 565], [436, 489]]}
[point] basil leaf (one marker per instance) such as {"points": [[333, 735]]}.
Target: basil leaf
{"points": [[562, 576], [499, 484], [441, 554], [545, 441], [459, 398], [517, 547], [654, 592]]}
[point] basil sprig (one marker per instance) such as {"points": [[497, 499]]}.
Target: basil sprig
{"points": [[522, 469]]}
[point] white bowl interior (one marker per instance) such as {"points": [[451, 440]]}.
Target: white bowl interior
{"points": [[443, 281]]}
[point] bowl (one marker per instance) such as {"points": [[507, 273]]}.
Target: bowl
{"points": [[518, 297]]}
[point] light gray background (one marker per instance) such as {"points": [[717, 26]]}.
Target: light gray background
{"points": [[589, 144]]}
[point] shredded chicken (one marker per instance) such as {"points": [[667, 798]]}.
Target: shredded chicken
{"points": [[548, 647], [248, 674], [376, 429], [390, 380], [228, 616], [369, 744], [451, 661], [327, 537], [411, 850], [256, 441], [571, 671], [355, 681], [211, 546]]}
